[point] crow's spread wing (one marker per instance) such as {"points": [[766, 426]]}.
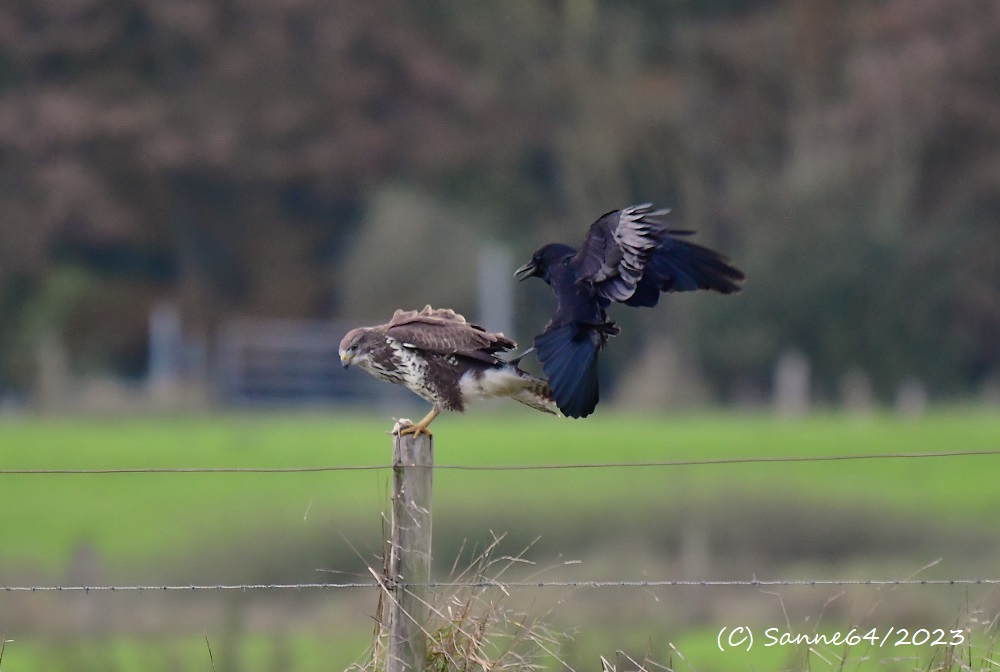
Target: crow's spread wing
{"points": [[446, 332], [617, 248], [681, 266]]}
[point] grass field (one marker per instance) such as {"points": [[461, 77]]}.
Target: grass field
{"points": [[303, 653], [160, 528], [132, 517], [693, 650]]}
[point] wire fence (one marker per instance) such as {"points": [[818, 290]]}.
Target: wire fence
{"points": [[620, 583], [508, 467], [664, 583]]}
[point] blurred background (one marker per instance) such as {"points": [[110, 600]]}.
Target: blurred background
{"points": [[199, 198], [172, 167]]}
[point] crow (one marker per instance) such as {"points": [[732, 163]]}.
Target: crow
{"points": [[629, 256]]}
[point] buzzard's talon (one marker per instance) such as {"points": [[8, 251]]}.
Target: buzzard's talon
{"points": [[398, 424], [420, 427], [416, 430]]}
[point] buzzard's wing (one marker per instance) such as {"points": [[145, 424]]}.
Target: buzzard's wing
{"points": [[445, 331], [617, 248]]}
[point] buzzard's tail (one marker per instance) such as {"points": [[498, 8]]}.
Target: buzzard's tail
{"points": [[537, 397], [534, 392], [679, 266], [569, 359]]}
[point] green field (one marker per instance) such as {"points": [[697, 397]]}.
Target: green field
{"points": [[238, 527], [132, 517]]}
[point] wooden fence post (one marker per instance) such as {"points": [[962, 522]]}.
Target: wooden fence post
{"points": [[409, 550]]}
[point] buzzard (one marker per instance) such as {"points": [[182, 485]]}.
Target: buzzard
{"points": [[440, 357], [628, 256]]}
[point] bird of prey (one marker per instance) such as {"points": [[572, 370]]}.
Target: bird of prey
{"points": [[628, 256], [443, 359]]}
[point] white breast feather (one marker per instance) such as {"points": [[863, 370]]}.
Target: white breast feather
{"points": [[500, 382]]}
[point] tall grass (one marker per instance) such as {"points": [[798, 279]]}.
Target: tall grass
{"points": [[471, 626]]}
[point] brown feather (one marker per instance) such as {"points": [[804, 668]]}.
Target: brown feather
{"points": [[446, 332], [442, 358]]}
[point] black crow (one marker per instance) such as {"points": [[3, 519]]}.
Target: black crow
{"points": [[629, 256]]}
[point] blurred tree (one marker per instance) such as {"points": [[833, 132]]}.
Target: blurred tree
{"points": [[236, 158]]}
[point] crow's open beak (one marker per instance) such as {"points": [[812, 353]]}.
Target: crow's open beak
{"points": [[525, 271]]}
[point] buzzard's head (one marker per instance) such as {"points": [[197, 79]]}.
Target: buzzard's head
{"points": [[354, 347], [544, 260]]}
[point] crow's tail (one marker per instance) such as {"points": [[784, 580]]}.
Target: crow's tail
{"points": [[569, 359]]}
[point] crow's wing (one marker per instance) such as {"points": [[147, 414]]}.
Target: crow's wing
{"points": [[446, 332], [617, 248], [681, 266]]}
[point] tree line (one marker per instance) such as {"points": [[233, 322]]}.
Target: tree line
{"points": [[308, 158]]}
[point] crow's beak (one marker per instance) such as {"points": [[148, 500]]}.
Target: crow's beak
{"points": [[525, 271]]}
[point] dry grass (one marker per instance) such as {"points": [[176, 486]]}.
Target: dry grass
{"points": [[472, 627], [977, 626], [978, 654]]}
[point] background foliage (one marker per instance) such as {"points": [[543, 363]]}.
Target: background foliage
{"points": [[267, 158]]}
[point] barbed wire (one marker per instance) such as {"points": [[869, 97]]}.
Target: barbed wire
{"points": [[504, 467], [664, 583], [193, 470], [511, 584]]}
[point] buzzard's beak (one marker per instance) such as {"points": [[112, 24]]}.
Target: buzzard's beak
{"points": [[525, 271], [345, 362]]}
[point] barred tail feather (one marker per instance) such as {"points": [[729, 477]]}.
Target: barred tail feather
{"points": [[537, 399]]}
